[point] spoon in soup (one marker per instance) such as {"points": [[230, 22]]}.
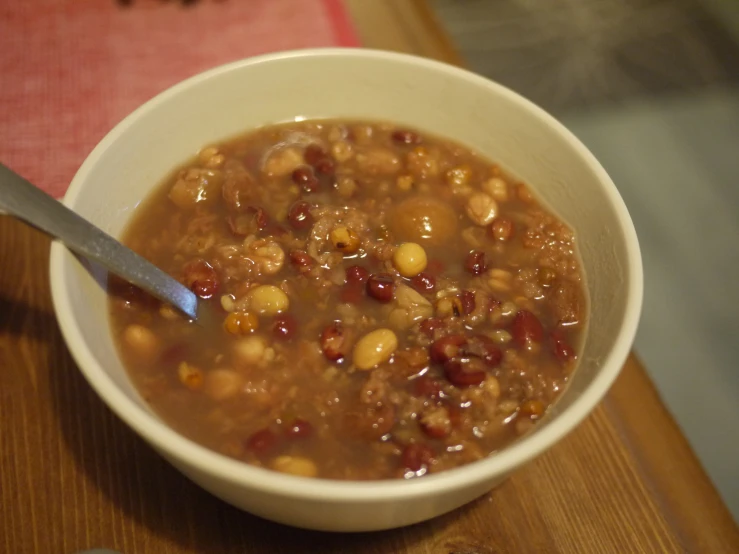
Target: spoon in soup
{"points": [[22, 200]]}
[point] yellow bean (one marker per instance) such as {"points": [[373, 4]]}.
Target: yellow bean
{"points": [[268, 300], [221, 384], [410, 259], [374, 348], [241, 323], [142, 341], [295, 465], [190, 376], [250, 350], [345, 240]]}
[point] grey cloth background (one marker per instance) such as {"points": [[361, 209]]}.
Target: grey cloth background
{"points": [[652, 88]]}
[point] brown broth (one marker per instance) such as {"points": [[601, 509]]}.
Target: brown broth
{"points": [[502, 324]]}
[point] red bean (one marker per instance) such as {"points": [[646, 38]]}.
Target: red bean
{"points": [[131, 295], [435, 267], [465, 372], [561, 348], [484, 348], [502, 229], [402, 136], [298, 429], [261, 441], [475, 262], [306, 178], [435, 422], [381, 287], [253, 220], [326, 166], [455, 415], [417, 457], [284, 327], [275, 229], [446, 348], [333, 342], [526, 328], [319, 159], [301, 259], [424, 282], [356, 274], [468, 301], [201, 278], [173, 355], [299, 215], [426, 386], [428, 326], [351, 294], [313, 154]]}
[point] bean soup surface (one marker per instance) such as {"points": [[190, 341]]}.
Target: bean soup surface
{"points": [[381, 303]]}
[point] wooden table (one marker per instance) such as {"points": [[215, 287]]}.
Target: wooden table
{"points": [[72, 476]]}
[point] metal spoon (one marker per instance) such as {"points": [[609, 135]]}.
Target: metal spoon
{"points": [[21, 199]]}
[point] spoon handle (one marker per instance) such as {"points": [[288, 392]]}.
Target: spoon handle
{"points": [[31, 205]]}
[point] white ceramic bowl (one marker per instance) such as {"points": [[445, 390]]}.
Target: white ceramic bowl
{"points": [[438, 98]]}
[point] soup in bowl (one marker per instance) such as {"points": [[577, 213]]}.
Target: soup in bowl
{"points": [[414, 282]]}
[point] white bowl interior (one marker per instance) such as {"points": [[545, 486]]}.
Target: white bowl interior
{"points": [[372, 85]]}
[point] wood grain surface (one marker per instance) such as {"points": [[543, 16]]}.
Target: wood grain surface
{"points": [[73, 477]]}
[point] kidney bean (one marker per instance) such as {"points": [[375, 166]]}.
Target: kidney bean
{"points": [[475, 262], [284, 327], [251, 221], [445, 348], [301, 259], [201, 278], [261, 441], [427, 386], [299, 215], [428, 326], [306, 178], [356, 274], [526, 328], [424, 282], [333, 342], [561, 348], [298, 429], [465, 371], [417, 457], [403, 136], [502, 229], [381, 287], [467, 298]]}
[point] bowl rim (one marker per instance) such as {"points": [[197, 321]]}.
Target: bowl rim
{"points": [[188, 453]]}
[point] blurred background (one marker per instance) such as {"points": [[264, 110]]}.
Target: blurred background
{"points": [[650, 86]]}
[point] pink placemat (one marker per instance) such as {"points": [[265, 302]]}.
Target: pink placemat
{"points": [[71, 69]]}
